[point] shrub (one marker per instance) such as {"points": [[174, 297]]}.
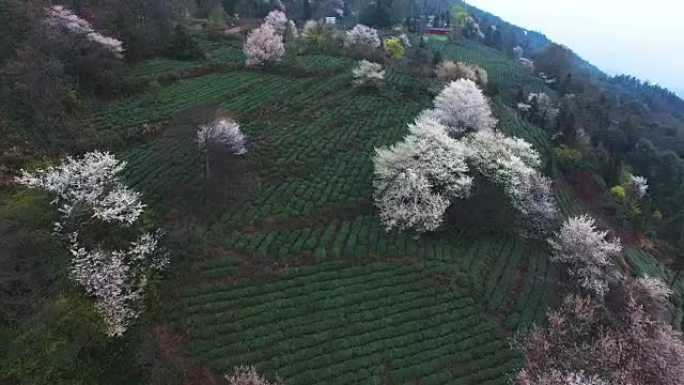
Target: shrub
{"points": [[448, 71], [394, 48]]}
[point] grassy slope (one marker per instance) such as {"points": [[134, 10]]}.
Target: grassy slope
{"points": [[344, 301]]}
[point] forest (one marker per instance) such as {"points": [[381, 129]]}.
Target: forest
{"points": [[255, 192]]}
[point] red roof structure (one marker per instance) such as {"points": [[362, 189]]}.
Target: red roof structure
{"points": [[439, 31]]}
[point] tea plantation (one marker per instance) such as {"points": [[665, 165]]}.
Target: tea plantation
{"points": [[343, 301]]}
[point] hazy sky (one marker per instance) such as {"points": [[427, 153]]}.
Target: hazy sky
{"points": [[640, 38]]}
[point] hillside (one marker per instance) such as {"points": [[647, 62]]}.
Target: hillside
{"points": [[313, 227], [278, 257]]}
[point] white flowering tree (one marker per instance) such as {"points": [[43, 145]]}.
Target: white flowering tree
{"points": [[263, 46], [404, 39], [586, 252], [368, 74], [248, 375], [518, 52], [222, 134], [277, 20], [363, 35], [417, 179], [61, 17], [462, 108], [89, 183], [639, 185], [543, 108], [513, 164], [88, 188]]}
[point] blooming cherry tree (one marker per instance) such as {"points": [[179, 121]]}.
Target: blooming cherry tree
{"points": [[223, 134], [585, 342], [60, 16], [363, 35], [244, 375], [546, 110], [404, 39], [115, 279], [416, 179], [586, 251], [439, 167], [277, 20], [368, 74], [639, 184], [263, 46], [92, 181], [462, 108]]}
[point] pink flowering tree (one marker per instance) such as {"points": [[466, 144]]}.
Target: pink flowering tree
{"points": [[277, 20], [588, 342], [89, 190], [263, 46]]}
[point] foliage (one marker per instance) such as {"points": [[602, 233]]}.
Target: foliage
{"points": [[448, 71], [618, 193], [14, 18], [587, 253], [216, 22], [368, 74], [182, 46], [263, 46], [394, 48], [66, 344], [314, 31], [460, 15], [567, 157]]}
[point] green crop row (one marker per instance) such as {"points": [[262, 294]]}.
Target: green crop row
{"points": [[340, 324]]}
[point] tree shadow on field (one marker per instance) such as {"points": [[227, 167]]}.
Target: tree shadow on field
{"points": [[486, 211], [190, 208]]}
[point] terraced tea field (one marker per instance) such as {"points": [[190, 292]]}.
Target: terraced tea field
{"points": [[345, 301], [344, 324]]}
